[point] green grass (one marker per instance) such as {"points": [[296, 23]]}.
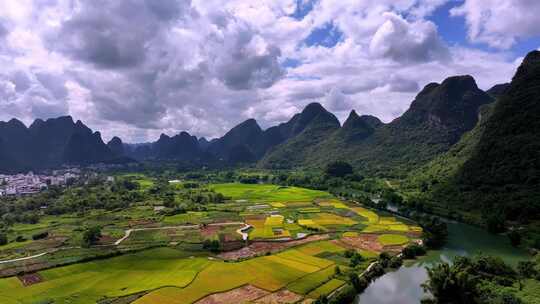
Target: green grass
{"points": [[268, 193]]}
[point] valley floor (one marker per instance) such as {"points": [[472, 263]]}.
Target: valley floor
{"points": [[297, 238]]}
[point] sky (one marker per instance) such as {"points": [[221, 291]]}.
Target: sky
{"points": [[139, 68]]}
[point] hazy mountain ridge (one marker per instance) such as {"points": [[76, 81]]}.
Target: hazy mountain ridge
{"points": [[50, 143]]}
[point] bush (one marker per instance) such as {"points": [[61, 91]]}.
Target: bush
{"points": [[376, 271], [495, 222], [356, 259], [515, 238], [40, 235], [344, 296], [384, 259], [527, 269], [395, 262], [91, 236], [349, 253], [435, 232], [3, 239], [212, 245], [413, 250], [338, 169], [321, 300]]}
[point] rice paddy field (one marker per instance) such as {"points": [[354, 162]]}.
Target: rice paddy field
{"points": [[268, 193], [295, 239]]}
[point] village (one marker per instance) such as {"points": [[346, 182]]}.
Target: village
{"points": [[30, 183]]}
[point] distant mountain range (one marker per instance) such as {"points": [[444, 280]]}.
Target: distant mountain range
{"points": [[436, 120], [50, 143]]}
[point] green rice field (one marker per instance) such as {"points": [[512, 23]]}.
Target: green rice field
{"points": [[268, 193], [180, 271]]}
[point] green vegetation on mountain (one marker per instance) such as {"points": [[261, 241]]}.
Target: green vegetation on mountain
{"points": [[437, 118], [242, 144], [494, 171], [313, 126]]}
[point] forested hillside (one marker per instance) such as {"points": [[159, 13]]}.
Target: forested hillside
{"points": [[437, 119], [495, 168]]}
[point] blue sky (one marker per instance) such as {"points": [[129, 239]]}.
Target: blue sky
{"points": [[454, 31], [139, 68]]}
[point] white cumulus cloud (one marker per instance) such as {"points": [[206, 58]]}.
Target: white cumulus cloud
{"points": [[500, 23]]}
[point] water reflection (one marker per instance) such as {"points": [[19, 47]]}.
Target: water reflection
{"points": [[399, 287], [404, 285]]}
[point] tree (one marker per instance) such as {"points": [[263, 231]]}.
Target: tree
{"points": [[337, 270], [212, 245], [3, 239], [349, 253], [395, 262], [91, 236], [413, 250], [526, 269], [481, 279], [321, 300], [495, 222], [40, 235], [449, 284], [356, 259], [355, 281], [515, 238], [391, 197], [434, 232], [384, 259], [338, 169]]}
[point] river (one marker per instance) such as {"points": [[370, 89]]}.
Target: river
{"points": [[403, 285]]}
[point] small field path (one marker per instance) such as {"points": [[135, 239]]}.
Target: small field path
{"points": [[25, 258], [128, 232], [126, 235]]}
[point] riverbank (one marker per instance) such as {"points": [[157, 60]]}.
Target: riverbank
{"points": [[404, 284]]}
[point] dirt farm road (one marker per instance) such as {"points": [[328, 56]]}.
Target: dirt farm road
{"points": [[126, 235]]}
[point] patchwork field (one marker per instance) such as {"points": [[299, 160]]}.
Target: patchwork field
{"points": [[296, 237], [268, 193]]}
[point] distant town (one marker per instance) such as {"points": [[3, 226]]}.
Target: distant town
{"points": [[30, 183]]}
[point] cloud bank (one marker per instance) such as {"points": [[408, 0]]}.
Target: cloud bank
{"points": [[136, 68]]}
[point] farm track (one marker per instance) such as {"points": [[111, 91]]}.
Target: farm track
{"points": [[128, 232], [37, 255], [126, 235], [24, 258]]}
